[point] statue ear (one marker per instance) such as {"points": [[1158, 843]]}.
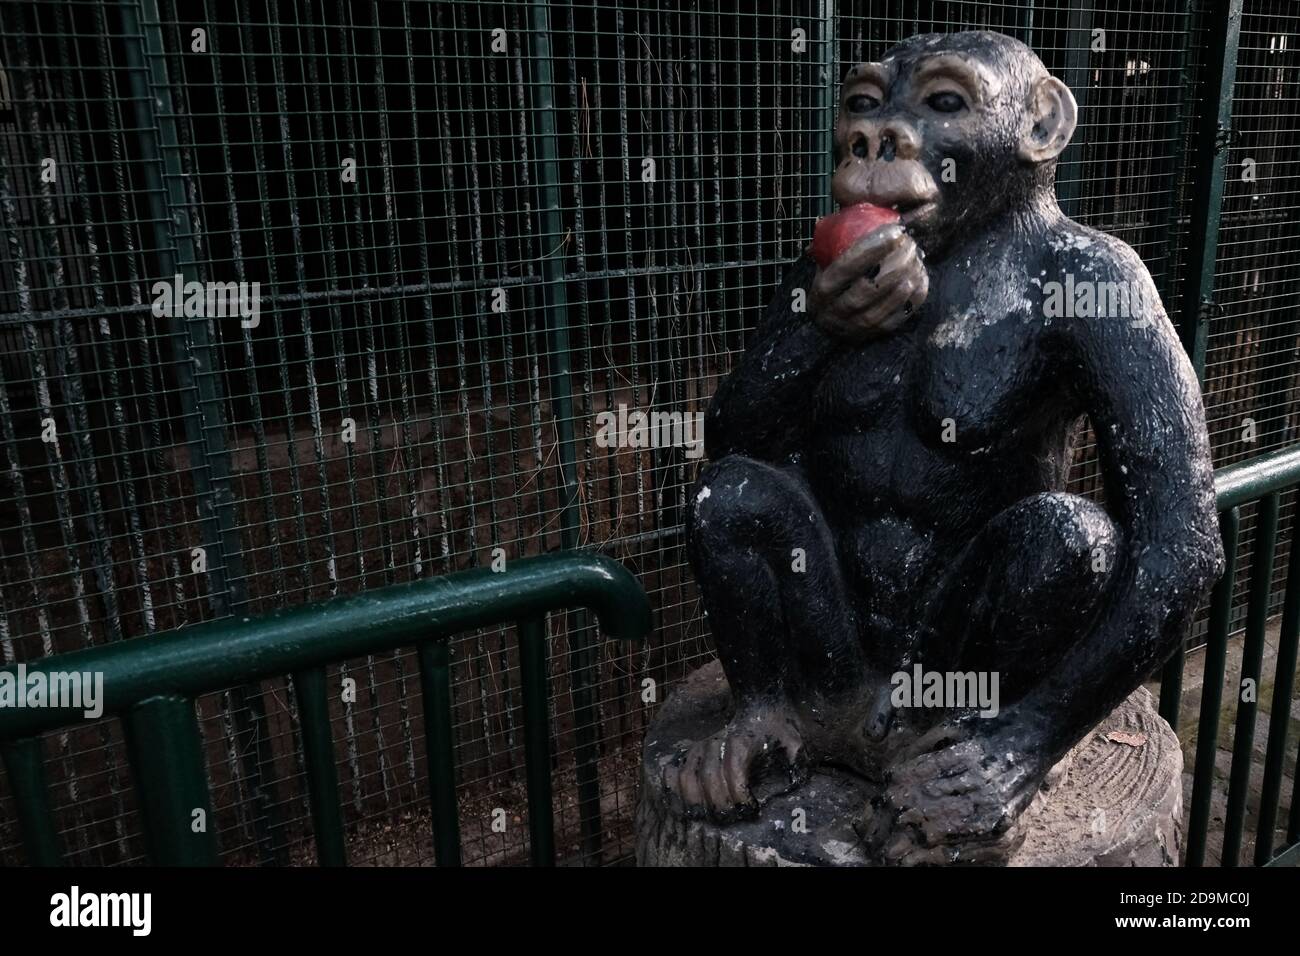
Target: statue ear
{"points": [[1053, 114]]}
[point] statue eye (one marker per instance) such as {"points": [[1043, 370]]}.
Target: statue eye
{"points": [[862, 103], [946, 102]]}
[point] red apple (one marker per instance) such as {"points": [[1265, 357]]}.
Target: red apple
{"points": [[838, 231]]}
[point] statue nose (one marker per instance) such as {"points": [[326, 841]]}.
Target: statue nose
{"points": [[886, 143], [897, 140]]}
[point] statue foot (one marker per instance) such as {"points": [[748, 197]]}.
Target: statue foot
{"points": [[727, 775], [955, 799]]}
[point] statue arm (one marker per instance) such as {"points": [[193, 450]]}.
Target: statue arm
{"points": [[1144, 402], [761, 407]]}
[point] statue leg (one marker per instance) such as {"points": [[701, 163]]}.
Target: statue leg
{"points": [[765, 563], [1025, 589], [1021, 591]]}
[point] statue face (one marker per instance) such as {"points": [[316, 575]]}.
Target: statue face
{"points": [[950, 131]]}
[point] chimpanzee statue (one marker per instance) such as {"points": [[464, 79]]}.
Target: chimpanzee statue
{"points": [[887, 474]]}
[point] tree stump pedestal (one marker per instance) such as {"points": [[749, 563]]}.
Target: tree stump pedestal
{"points": [[1115, 800]]}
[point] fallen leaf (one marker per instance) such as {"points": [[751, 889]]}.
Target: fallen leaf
{"points": [[1124, 737]]}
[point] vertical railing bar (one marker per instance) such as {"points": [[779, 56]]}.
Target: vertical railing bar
{"points": [[1171, 686], [555, 296], [1207, 728], [537, 740], [1224, 20], [26, 770], [322, 773], [170, 776], [435, 688], [1293, 818], [1280, 709], [1252, 656]]}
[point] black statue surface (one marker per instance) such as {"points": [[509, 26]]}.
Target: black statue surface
{"points": [[887, 474]]}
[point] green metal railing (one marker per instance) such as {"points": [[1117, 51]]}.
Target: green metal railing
{"points": [[152, 684], [1262, 481]]}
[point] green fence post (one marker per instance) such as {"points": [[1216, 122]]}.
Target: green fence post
{"points": [[1216, 656], [1223, 28], [1171, 686], [171, 783], [435, 688], [1252, 656], [555, 299], [26, 770], [537, 740], [1280, 710], [322, 774]]}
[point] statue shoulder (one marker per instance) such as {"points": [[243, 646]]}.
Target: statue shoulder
{"points": [[1102, 287], [1096, 255]]}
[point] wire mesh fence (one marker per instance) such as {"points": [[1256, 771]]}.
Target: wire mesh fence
{"points": [[468, 231]]}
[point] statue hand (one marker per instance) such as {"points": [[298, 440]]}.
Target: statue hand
{"points": [[955, 797], [872, 287]]}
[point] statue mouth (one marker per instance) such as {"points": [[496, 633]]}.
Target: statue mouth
{"points": [[903, 185], [908, 208], [916, 209]]}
